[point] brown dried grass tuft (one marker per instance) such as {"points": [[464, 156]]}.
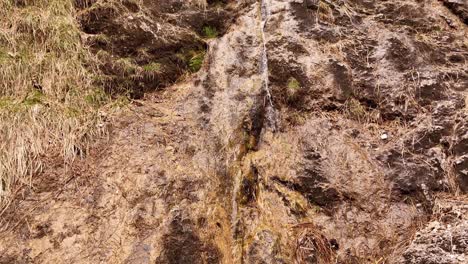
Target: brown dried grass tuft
{"points": [[312, 246]]}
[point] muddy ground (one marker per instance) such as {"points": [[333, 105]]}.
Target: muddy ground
{"points": [[361, 156]]}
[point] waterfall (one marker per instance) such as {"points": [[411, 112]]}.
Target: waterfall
{"points": [[265, 16]]}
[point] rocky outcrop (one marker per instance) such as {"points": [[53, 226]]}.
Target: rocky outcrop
{"points": [[149, 45], [308, 131], [443, 240]]}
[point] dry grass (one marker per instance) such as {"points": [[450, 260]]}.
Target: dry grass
{"points": [[48, 104]]}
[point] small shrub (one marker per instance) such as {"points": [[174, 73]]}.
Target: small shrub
{"points": [[325, 12]]}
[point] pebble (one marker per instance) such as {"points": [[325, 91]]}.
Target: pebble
{"points": [[384, 136]]}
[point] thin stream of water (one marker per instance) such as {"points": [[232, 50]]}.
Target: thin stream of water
{"points": [[270, 114], [265, 13]]}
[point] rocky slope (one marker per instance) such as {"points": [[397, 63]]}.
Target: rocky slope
{"points": [[443, 240], [313, 132]]}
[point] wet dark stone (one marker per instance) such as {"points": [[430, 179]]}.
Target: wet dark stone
{"points": [[312, 184], [459, 8], [412, 176], [343, 79]]}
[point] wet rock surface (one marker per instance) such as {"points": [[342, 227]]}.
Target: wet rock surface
{"points": [[365, 130]]}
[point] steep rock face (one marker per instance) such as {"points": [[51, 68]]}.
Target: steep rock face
{"points": [[314, 132]]}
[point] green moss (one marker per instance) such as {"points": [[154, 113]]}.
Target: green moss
{"points": [[196, 61], [209, 32]]}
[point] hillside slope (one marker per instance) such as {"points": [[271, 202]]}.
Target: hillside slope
{"points": [[273, 131]]}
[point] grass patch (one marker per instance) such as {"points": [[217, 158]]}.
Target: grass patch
{"points": [[294, 84], [33, 98], [293, 87], [209, 32], [196, 61], [48, 102], [97, 98], [152, 67]]}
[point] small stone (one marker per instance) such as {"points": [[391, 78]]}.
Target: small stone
{"points": [[384, 136]]}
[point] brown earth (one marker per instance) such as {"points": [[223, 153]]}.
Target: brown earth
{"points": [[370, 143]]}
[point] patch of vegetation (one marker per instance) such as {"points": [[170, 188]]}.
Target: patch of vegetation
{"points": [[120, 101], [355, 109], [126, 65], [8, 105], [152, 67], [293, 87], [293, 84], [97, 98], [4, 57], [193, 58], [325, 11], [33, 98], [72, 112], [209, 32], [196, 61], [40, 43]]}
